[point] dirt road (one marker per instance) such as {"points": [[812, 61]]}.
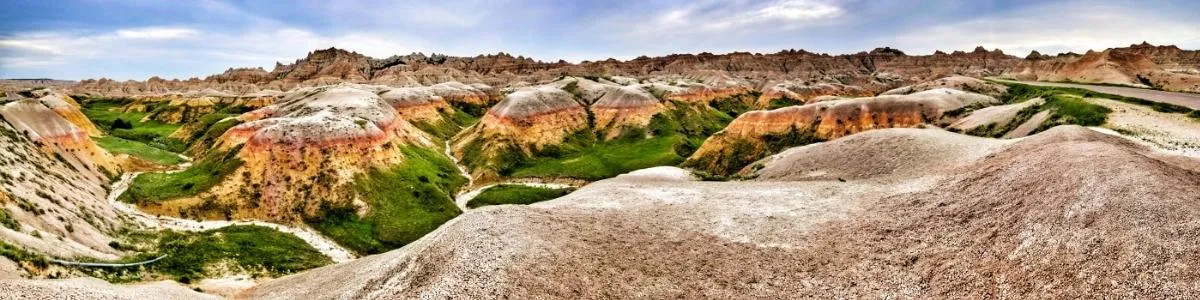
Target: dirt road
{"points": [[1188, 100]]}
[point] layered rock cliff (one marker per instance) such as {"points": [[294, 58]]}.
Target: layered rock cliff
{"points": [[302, 153], [1113, 66], [53, 182], [755, 134]]}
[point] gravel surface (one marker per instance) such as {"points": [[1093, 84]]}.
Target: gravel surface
{"points": [[91, 288]]}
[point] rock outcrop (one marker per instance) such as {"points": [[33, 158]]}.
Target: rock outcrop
{"points": [[304, 151], [1112, 66], [801, 93], [962, 83], [755, 134], [53, 182]]}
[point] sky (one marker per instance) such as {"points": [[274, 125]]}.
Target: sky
{"points": [[137, 39]]}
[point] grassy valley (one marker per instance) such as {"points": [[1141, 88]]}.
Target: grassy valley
{"points": [[406, 202], [516, 194]]}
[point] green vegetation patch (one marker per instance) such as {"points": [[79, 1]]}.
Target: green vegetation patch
{"points": [[606, 159], [7, 219], [1018, 92], [736, 105], [450, 125], [406, 202], [247, 249], [670, 138], [725, 163], [201, 176], [210, 128], [107, 114], [139, 150], [1067, 106], [516, 194], [28, 260]]}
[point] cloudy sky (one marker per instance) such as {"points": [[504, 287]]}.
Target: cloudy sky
{"points": [[137, 39]]}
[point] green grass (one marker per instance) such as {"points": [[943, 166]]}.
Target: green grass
{"points": [[201, 176], [104, 112], [22, 256], [1067, 107], [1018, 92], [7, 220], [256, 250], [669, 139], [1073, 110], [741, 152], [139, 150], [208, 130], [406, 202], [516, 194], [736, 105], [451, 124], [606, 159]]}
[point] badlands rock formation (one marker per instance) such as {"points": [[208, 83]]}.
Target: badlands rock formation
{"points": [[755, 134], [579, 112], [1112, 66], [800, 93], [874, 71], [943, 217], [67, 108], [958, 82], [53, 182], [526, 120], [304, 152]]}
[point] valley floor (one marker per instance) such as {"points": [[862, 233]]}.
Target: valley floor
{"points": [[1188, 100]]}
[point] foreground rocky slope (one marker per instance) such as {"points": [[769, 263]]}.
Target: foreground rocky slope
{"points": [[54, 178], [1108, 212]]}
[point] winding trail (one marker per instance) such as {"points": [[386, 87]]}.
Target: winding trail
{"points": [[465, 195], [310, 236], [105, 265]]}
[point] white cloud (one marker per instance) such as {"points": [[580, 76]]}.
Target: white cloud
{"points": [[32, 45], [155, 33], [176, 47], [786, 13], [1054, 28], [714, 17]]}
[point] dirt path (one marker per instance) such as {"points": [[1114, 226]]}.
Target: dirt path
{"points": [[1182, 99], [310, 236], [469, 192]]}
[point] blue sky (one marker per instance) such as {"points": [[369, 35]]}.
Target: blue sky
{"points": [[179, 39]]}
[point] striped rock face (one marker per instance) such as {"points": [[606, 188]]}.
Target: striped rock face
{"points": [[457, 92], [691, 92], [310, 146], [625, 106], [1115, 66], [57, 134], [534, 116], [52, 177], [806, 93], [743, 139], [417, 103], [962, 83], [66, 107], [184, 110], [833, 119]]}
